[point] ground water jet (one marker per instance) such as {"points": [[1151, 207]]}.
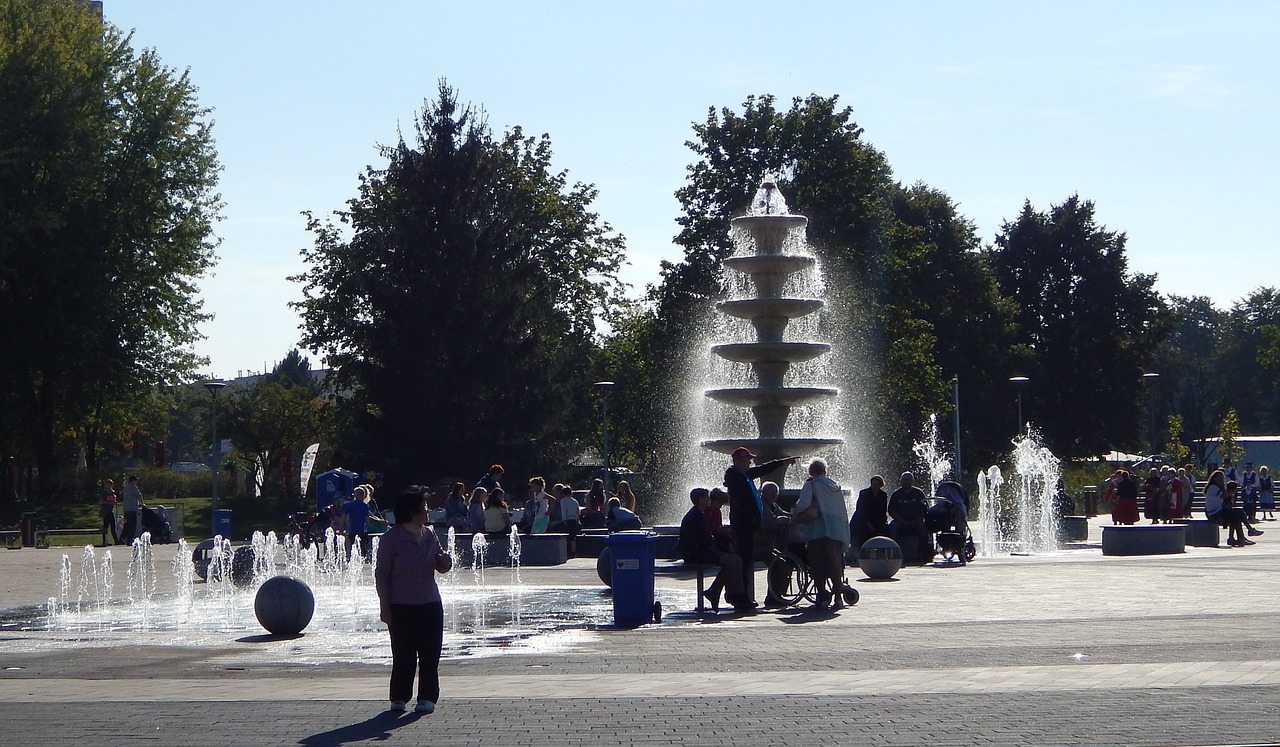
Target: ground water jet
{"points": [[1020, 520]]}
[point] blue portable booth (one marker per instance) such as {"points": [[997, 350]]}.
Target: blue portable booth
{"points": [[336, 483]]}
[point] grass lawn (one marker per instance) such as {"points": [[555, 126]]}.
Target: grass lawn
{"points": [[248, 515]]}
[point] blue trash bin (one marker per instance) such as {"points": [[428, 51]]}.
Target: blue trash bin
{"points": [[632, 568], [222, 523]]}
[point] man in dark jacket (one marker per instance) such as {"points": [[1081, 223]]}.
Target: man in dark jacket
{"points": [[698, 545], [870, 515], [745, 509]]}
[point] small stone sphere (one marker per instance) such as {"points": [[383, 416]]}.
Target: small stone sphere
{"points": [[284, 605], [880, 558], [242, 561], [604, 567]]}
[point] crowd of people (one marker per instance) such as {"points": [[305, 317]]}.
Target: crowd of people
{"points": [[1235, 500], [486, 509]]}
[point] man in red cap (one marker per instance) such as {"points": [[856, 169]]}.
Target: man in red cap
{"points": [[745, 508]]}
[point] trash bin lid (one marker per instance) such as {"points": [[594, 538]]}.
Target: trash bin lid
{"points": [[636, 537]]}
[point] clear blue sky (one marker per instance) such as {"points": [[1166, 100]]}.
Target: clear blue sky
{"points": [[1162, 113]]}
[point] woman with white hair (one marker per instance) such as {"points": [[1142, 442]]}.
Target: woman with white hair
{"points": [[826, 535]]}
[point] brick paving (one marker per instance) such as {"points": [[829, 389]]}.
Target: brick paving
{"points": [[1067, 649]]}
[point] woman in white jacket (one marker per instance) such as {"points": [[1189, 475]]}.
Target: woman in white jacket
{"points": [[826, 535]]}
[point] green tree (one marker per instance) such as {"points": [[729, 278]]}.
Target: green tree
{"points": [[1091, 324], [107, 172], [1189, 371], [270, 418], [457, 299], [1228, 432], [1244, 381], [1176, 450]]}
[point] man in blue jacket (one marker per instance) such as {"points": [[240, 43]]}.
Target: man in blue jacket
{"points": [[745, 509]]}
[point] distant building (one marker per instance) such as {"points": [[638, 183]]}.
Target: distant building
{"points": [[1257, 449]]}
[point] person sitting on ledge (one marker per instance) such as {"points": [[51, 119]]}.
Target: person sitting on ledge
{"points": [[907, 508], [870, 515], [566, 516], [619, 519], [497, 517], [1218, 509], [699, 545]]}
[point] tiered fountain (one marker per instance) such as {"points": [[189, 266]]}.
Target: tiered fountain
{"points": [[764, 239]]}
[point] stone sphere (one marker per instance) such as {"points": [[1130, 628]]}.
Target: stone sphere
{"points": [[284, 605], [242, 562], [880, 558], [604, 567]]}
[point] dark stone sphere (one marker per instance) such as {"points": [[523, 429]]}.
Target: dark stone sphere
{"points": [[242, 561], [880, 558], [604, 567], [284, 605]]}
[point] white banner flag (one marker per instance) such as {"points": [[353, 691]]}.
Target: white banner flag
{"points": [[308, 461]]}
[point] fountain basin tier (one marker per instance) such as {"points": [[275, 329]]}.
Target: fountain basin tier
{"points": [[784, 397], [769, 231], [755, 308], [764, 352], [781, 264], [772, 448]]}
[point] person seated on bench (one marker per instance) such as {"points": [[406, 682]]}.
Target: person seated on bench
{"points": [[619, 519], [1218, 509], [566, 515], [699, 545], [907, 508], [870, 515], [497, 517]]}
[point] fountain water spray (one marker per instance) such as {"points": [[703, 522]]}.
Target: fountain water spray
{"points": [[1023, 520], [931, 456]]}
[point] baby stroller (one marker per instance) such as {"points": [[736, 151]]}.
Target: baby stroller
{"points": [[155, 521], [948, 519]]}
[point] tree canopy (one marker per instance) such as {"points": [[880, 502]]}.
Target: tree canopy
{"points": [[1090, 325], [107, 176], [456, 298]]}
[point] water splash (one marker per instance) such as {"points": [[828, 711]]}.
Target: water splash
{"points": [[1022, 520], [932, 458], [479, 547]]}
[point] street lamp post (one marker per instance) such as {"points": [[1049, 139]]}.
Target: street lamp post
{"points": [[1018, 382], [955, 401], [1149, 378], [214, 387], [604, 387]]}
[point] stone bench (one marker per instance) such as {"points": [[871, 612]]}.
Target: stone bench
{"points": [[591, 543], [1144, 539], [1073, 528], [1200, 532], [535, 549]]}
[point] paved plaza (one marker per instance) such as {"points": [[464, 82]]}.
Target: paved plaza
{"points": [[1071, 648]]}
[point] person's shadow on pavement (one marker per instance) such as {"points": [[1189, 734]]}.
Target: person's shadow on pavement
{"points": [[378, 728]]}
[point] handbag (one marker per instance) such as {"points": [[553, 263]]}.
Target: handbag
{"points": [[810, 513]]}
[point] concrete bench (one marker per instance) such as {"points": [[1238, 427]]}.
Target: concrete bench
{"points": [[1073, 528], [1144, 539], [535, 549], [544, 549], [591, 542], [1200, 532]]}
